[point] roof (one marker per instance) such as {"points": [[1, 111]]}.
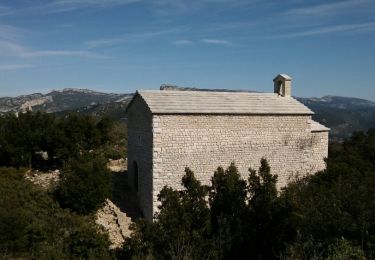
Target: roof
{"points": [[284, 76], [316, 127], [207, 102]]}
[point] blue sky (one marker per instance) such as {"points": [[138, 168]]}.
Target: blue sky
{"points": [[328, 47]]}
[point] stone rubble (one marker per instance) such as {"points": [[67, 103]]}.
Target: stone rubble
{"points": [[110, 217], [45, 180], [119, 165], [115, 222]]}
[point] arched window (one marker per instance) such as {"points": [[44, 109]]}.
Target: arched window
{"points": [[135, 180]]}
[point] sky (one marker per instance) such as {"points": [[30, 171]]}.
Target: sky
{"points": [[327, 47]]}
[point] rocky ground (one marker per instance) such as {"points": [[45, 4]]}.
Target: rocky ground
{"points": [[119, 165], [115, 222], [45, 180], [117, 213]]}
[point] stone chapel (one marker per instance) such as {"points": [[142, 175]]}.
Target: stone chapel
{"points": [[169, 130]]}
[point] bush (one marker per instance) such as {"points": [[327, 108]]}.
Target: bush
{"points": [[338, 203], [33, 226], [326, 215], [23, 137], [342, 249], [228, 210], [85, 184], [182, 229], [227, 226]]}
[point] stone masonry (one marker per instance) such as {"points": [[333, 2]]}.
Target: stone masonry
{"points": [[140, 152], [162, 145]]}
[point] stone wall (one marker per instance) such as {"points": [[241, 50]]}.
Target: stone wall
{"points": [[140, 153], [319, 151], [204, 142]]}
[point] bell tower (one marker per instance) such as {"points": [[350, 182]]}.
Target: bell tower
{"points": [[283, 85]]}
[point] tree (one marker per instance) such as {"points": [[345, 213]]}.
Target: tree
{"points": [[182, 227], [338, 203], [228, 210], [33, 226], [85, 184], [23, 137], [270, 220]]}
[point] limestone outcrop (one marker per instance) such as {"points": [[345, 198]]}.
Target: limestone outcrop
{"points": [[115, 222], [109, 216]]}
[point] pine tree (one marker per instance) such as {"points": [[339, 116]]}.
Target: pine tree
{"points": [[228, 210], [85, 184]]}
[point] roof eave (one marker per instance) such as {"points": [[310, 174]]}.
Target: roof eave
{"points": [[237, 114]]}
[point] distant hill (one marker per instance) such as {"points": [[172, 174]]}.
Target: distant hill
{"points": [[57, 101], [343, 115], [115, 110]]}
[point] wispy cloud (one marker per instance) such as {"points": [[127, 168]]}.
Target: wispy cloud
{"points": [[344, 28], [49, 53], [5, 10], [12, 49], [131, 37], [183, 42], [219, 42], [177, 6], [9, 32], [98, 43], [165, 7], [329, 8], [60, 6], [14, 66]]}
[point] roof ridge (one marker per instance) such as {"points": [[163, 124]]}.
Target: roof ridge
{"points": [[207, 102]]}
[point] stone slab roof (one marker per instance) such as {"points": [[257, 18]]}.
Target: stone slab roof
{"points": [[316, 127], [207, 102]]}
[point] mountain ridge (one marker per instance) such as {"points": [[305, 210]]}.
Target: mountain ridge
{"points": [[58, 100], [343, 115]]}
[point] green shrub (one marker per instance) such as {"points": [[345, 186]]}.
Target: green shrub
{"points": [[85, 184], [33, 226], [342, 249]]}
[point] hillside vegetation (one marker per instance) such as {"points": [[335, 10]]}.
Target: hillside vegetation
{"points": [[40, 140], [34, 226], [59, 222], [327, 215]]}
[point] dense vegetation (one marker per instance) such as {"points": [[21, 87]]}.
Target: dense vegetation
{"points": [[57, 223], [328, 215], [24, 138], [33, 225], [85, 184]]}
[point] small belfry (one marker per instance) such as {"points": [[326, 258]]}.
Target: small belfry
{"points": [[169, 130], [283, 85]]}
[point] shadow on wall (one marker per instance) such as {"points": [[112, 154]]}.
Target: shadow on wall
{"points": [[124, 197]]}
